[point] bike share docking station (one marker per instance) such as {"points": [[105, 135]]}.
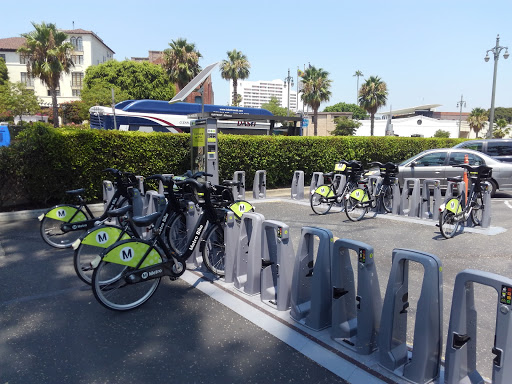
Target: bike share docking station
{"points": [[204, 148]]}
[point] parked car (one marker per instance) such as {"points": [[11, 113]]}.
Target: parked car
{"points": [[437, 164], [499, 149]]}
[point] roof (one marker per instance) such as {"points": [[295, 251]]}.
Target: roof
{"points": [[11, 43], [80, 31], [406, 111]]}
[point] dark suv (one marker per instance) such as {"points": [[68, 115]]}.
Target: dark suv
{"points": [[499, 149]]}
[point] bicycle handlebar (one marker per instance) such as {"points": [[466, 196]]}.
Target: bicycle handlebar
{"points": [[481, 170], [192, 182]]}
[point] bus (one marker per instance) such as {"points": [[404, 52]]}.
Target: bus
{"points": [[160, 116]]}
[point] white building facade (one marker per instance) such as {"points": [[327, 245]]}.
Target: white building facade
{"points": [[256, 93], [89, 50]]}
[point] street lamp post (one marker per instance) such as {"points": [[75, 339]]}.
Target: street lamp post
{"points": [[460, 104], [288, 80], [496, 52]]}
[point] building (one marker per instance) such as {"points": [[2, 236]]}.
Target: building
{"points": [[256, 93], [326, 123], [89, 50]]}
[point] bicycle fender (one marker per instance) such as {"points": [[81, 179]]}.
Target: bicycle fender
{"points": [[103, 236], [63, 213], [359, 195], [130, 252], [453, 206], [240, 207], [325, 191]]}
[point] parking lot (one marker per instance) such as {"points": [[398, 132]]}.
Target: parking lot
{"points": [[53, 330]]}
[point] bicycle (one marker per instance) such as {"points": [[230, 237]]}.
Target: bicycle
{"points": [[456, 210], [130, 270], [63, 224], [326, 195], [360, 200]]}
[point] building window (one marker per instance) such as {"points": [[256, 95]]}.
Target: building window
{"points": [[23, 59], [77, 43], [2, 56], [77, 59], [77, 79], [76, 92], [58, 92], [27, 80]]}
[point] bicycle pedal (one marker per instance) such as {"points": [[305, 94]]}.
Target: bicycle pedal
{"points": [[173, 278]]}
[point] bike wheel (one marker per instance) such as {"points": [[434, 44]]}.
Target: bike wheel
{"points": [[477, 211], [353, 209], [82, 259], [214, 250], [113, 292], [448, 224], [387, 199], [177, 235], [53, 235], [320, 204]]}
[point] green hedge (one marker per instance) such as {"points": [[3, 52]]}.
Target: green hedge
{"points": [[42, 162]]}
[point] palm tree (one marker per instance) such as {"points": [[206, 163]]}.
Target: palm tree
{"points": [[315, 90], [49, 55], [181, 62], [477, 119], [236, 67], [358, 74], [501, 130], [373, 95]]}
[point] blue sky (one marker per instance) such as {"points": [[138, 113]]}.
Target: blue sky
{"points": [[428, 52]]}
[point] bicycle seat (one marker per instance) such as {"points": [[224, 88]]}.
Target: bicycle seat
{"points": [[456, 179], [142, 221], [230, 183], [119, 211], [329, 174], [76, 191]]}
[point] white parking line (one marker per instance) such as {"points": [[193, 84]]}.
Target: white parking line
{"points": [[507, 203]]}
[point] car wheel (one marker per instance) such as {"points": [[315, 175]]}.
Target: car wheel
{"points": [[494, 187]]}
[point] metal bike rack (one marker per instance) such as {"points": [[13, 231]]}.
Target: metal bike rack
{"points": [[461, 344], [424, 365], [108, 193], [355, 315], [239, 190], [161, 188], [395, 210], [192, 216], [460, 186], [430, 202], [153, 202], [277, 265], [486, 212], [248, 254], [231, 240], [311, 282], [138, 208], [316, 180], [140, 179], [259, 187], [298, 185], [410, 203], [373, 185], [341, 180]]}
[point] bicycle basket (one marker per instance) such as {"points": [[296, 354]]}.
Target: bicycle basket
{"points": [[484, 172]]}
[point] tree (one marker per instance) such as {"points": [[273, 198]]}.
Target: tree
{"points": [[442, 133], [502, 113], [315, 90], [138, 80], [358, 113], [181, 62], [4, 74], [101, 94], [345, 126], [18, 100], [358, 74], [235, 67], [373, 95], [49, 55], [275, 107], [477, 119], [501, 130], [74, 112]]}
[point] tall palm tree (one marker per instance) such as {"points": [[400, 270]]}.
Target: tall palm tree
{"points": [[373, 95], [315, 90], [49, 55], [477, 119], [235, 67], [358, 74], [181, 62]]}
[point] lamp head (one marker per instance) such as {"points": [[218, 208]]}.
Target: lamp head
{"points": [[506, 55], [486, 58]]}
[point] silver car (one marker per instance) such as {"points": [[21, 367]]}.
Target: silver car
{"points": [[437, 164]]}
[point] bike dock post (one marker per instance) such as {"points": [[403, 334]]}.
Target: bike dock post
{"points": [[297, 190], [373, 186], [153, 202], [192, 215], [230, 239], [161, 188], [108, 193], [259, 187], [248, 254], [316, 180], [461, 344], [239, 190], [410, 201], [425, 363], [311, 292], [277, 265], [340, 180], [395, 210], [430, 204], [461, 188], [355, 315], [486, 212], [140, 179]]}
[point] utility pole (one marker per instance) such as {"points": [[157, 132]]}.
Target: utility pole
{"points": [[460, 104]]}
